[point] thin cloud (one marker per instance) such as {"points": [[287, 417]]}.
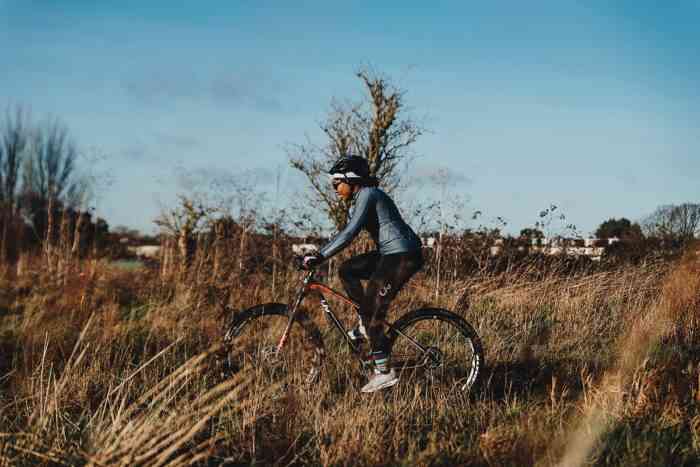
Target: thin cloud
{"points": [[628, 180], [162, 88], [241, 89], [137, 152], [437, 175], [153, 150], [218, 179], [178, 141], [252, 90]]}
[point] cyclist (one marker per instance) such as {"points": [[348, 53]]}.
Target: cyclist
{"points": [[397, 258]]}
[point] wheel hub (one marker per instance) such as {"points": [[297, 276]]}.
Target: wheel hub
{"points": [[433, 358], [269, 355]]}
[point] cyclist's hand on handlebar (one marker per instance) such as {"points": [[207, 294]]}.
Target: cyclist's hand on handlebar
{"points": [[309, 262]]}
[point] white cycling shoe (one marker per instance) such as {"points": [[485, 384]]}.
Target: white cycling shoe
{"points": [[380, 381], [358, 333]]}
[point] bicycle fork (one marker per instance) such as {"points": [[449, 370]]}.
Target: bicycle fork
{"points": [[292, 315]]}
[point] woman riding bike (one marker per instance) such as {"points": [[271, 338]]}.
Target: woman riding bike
{"points": [[397, 258]]}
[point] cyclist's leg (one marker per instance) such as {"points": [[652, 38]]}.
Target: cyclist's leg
{"points": [[355, 269], [391, 275]]}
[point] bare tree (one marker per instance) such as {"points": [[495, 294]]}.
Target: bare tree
{"points": [[376, 128], [50, 181], [182, 223], [213, 201], [674, 222], [14, 141], [49, 171], [14, 136]]}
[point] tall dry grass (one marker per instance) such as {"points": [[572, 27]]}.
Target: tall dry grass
{"points": [[113, 367]]}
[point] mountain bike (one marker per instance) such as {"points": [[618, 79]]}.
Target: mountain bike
{"points": [[432, 345]]}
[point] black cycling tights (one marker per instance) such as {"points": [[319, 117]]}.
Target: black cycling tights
{"points": [[386, 275]]}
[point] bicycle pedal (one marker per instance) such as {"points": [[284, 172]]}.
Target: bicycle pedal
{"points": [[367, 362]]}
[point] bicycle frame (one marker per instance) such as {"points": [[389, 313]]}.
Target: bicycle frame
{"points": [[308, 285]]}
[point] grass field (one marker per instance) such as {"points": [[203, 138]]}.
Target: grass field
{"points": [[113, 366]]}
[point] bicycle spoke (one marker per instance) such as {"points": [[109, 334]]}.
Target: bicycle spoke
{"points": [[447, 359], [255, 340]]}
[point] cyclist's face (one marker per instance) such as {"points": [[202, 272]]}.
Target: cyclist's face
{"points": [[342, 189]]}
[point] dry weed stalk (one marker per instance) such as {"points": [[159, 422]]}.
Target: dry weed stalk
{"points": [[166, 425], [678, 303], [112, 384], [163, 425]]}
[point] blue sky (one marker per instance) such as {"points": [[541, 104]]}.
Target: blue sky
{"points": [[592, 106]]}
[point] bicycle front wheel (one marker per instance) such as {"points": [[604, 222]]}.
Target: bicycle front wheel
{"points": [[252, 338], [437, 348]]}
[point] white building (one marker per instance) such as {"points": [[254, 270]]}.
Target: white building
{"points": [[429, 242], [301, 249], [145, 251]]}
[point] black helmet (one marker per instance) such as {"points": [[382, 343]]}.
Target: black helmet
{"points": [[349, 168]]}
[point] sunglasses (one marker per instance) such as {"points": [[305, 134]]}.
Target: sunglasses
{"points": [[336, 182]]}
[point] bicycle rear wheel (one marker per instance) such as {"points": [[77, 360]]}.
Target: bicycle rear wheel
{"points": [[437, 348], [252, 337]]}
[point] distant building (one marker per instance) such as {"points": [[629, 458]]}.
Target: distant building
{"points": [[592, 248], [145, 251], [301, 249], [429, 242]]}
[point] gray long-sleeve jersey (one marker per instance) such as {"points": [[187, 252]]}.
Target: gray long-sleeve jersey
{"points": [[375, 212]]}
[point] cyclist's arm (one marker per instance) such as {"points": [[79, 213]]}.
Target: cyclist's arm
{"points": [[354, 226]]}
